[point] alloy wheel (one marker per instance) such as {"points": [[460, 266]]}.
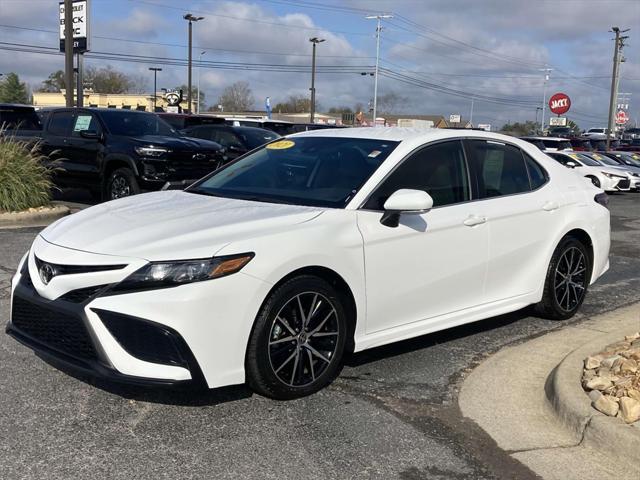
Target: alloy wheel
{"points": [[570, 279], [120, 187], [303, 339]]}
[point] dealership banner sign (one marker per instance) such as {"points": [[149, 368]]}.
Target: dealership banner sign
{"points": [[80, 26]]}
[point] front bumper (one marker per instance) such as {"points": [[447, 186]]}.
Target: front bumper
{"points": [[191, 334]]}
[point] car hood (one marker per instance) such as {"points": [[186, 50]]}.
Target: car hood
{"points": [[176, 143], [172, 225]]}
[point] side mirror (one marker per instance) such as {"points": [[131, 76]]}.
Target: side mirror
{"points": [[571, 164], [90, 134], [405, 201]]}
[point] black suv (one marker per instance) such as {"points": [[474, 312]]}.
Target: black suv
{"points": [[115, 153]]}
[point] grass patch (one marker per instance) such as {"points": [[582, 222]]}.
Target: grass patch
{"points": [[25, 180]]}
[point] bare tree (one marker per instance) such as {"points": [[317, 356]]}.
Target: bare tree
{"points": [[391, 102], [237, 97]]}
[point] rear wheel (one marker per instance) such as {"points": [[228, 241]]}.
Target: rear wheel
{"points": [[298, 340], [567, 280], [121, 183]]}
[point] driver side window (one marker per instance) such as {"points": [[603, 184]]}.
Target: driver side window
{"points": [[440, 170]]}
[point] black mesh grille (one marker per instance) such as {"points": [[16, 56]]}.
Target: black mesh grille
{"points": [[59, 331], [624, 183], [81, 294]]}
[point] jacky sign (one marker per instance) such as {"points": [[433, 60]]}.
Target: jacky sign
{"points": [[80, 26], [559, 103]]}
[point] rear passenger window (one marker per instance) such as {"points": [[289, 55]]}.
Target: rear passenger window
{"points": [[440, 170], [537, 175], [60, 123], [500, 169]]}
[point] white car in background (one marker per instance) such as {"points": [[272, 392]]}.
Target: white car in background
{"points": [[273, 267], [597, 134], [604, 177]]}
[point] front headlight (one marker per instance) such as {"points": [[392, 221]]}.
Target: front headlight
{"points": [[611, 175], [154, 152], [171, 274]]}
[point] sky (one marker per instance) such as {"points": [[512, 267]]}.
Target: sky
{"points": [[438, 56]]}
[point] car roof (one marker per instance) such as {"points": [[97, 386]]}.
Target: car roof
{"points": [[402, 134], [553, 139]]}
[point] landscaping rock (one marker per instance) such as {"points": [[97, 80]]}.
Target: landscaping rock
{"points": [[592, 362], [599, 383], [612, 379], [629, 410], [606, 405]]}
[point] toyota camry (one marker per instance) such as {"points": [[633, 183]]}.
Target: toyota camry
{"points": [[269, 270]]}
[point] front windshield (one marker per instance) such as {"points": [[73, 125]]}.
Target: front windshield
{"points": [[632, 159], [585, 159], [605, 160], [311, 171], [135, 124]]}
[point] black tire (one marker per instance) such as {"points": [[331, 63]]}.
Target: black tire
{"points": [[595, 181], [566, 282], [273, 368], [121, 183]]}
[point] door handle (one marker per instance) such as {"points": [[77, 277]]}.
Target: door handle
{"points": [[474, 220], [550, 206]]}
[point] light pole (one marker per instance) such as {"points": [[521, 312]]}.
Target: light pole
{"points": [[471, 113], [375, 83], [312, 110], [155, 71], [544, 94], [198, 87], [191, 19]]}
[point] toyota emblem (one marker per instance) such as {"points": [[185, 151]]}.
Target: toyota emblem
{"points": [[47, 272]]}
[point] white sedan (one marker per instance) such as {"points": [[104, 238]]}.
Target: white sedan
{"points": [[602, 176], [270, 269]]}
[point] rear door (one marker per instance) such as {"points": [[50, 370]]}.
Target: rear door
{"points": [[523, 211], [55, 143]]}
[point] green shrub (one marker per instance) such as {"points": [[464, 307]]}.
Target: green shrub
{"points": [[25, 180]]}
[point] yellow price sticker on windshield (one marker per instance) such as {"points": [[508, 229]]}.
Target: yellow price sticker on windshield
{"points": [[280, 145]]}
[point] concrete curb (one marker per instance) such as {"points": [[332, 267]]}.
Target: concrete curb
{"points": [[572, 405], [34, 218]]}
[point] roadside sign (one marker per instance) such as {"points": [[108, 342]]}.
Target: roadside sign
{"points": [[559, 103], [621, 117], [558, 121], [485, 126], [80, 26], [454, 118]]}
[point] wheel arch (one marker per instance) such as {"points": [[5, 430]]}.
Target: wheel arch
{"points": [[584, 238], [114, 162], [339, 283]]}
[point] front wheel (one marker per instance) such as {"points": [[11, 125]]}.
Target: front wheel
{"points": [[121, 183], [595, 181], [567, 280], [298, 339]]}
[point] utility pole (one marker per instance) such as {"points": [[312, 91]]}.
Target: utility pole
{"points": [[155, 71], [198, 84], [375, 82], [312, 109], [471, 113], [615, 78], [68, 52], [79, 80], [546, 71], [191, 19]]}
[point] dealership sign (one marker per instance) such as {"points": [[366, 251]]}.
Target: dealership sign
{"points": [[559, 103], [621, 117], [80, 15]]}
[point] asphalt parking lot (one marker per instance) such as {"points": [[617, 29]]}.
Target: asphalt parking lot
{"points": [[392, 413]]}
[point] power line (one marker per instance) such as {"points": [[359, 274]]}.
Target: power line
{"points": [[202, 47]]}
